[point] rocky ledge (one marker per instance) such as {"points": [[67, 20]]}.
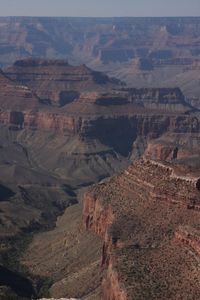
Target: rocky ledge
{"points": [[148, 217]]}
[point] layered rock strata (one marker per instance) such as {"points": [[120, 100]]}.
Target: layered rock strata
{"points": [[148, 217], [55, 81], [84, 140], [115, 117], [144, 52], [14, 96], [163, 40]]}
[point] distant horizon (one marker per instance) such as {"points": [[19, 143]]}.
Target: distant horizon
{"points": [[100, 17], [100, 9]]}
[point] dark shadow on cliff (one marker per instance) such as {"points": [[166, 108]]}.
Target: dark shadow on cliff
{"points": [[118, 133]]}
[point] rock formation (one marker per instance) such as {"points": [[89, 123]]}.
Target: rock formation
{"points": [[145, 52], [110, 40], [55, 81], [148, 218], [63, 128], [14, 96]]}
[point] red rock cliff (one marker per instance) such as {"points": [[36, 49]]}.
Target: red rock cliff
{"points": [[139, 214], [98, 218]]}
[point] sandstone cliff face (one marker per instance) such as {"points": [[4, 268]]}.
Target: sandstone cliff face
{"points": [[159, 98], [62, 122], [48, 121], [90, 106], [98, 218], [118, 132], [51, 121], [57, 82], [154, 212], [115, 118], [165, 151], [182, 149], [103, 126]]}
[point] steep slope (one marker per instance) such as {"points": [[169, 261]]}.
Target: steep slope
{"points": [[72, 258], [181, 148], [148, 218]]}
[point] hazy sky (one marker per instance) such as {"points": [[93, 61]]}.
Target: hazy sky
{"points": [[100, 8]]}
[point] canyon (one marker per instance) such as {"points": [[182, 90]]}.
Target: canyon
{"points": [[99, 181], [143, 52], [148, 219]]}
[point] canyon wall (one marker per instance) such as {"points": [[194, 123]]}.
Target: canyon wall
{"points": [[161, 40], [118, 132], [127, 212], [98, 218], [143, 52]]}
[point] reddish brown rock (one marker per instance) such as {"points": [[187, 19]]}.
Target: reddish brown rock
{"points": [[57, 81], [149, 202], [190, 237], [111, 286], [96, 217], [165, 151], [15, 96]]}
